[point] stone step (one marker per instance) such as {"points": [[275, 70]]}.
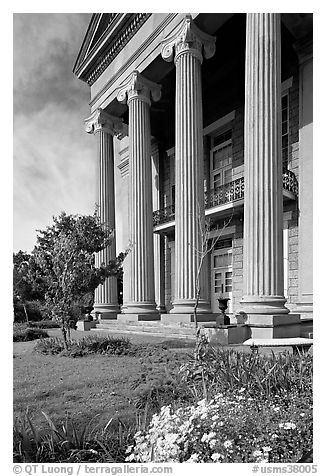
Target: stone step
{"points": [[177, 330], [162, 333]]}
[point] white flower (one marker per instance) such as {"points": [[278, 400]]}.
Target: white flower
{"points": [[289, 426], [171, 437], [216, 457], [193, 458], [242, 390], [212, 443], [274, 436], [276, 409], [204, 438], [302, 414], [256, 453], [227, 444], [266, 449]]}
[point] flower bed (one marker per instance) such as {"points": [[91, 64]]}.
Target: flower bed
{"points": [[227, 430]]}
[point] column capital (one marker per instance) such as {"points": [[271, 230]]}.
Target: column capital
{"points": [[101, 121], [188, 39], [137, 86]]}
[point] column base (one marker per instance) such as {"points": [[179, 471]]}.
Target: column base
{"points": [[186, 306], [106, 311], [272, 326], [189, 318], [264, 305], [148, 307]]}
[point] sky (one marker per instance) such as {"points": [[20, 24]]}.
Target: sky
{"points": [[54, 160]]}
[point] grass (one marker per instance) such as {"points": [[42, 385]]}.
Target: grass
{"points": [[23, 333], [83, 388], [108, 397]]}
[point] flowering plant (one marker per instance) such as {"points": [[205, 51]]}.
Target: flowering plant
{"points": [[227, 429]]}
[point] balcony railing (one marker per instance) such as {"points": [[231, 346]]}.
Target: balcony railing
{"points": [[227, 193], [290, 182], [163, 215]]}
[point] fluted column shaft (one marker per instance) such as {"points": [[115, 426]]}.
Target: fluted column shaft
{"points": [[263, 202], [106, 293], [104, 126], [189, 42], [189, 210], [141, 260]]}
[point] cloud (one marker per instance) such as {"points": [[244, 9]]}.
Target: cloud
{"points": [[54, 159], [45, 49], [54, 168]]}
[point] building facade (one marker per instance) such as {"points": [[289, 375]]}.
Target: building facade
{"points": [[208, 120]]}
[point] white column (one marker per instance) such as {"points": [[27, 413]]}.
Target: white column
{"points": [[105, 127], [186, 47], [137, 92], [263, 203]]}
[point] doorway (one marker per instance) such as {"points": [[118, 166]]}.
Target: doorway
{"points": [[221, 277]]}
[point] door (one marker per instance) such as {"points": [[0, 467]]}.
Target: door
{"points": [[221, 278]]}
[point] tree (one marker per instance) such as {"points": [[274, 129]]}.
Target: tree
{"points": [[206, 246], [27, 284], [65, 255]]}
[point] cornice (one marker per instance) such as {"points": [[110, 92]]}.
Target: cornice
{"points": [[188, 39], [132, 58], [115, 40]]}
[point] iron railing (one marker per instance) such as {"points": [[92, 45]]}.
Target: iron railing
{"points": [[227, 193], [290, 182], [163, 215]]}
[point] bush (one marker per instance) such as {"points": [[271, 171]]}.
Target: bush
{"points": [[51, 346], [67, 444], [227, 429], [22, 333], [35, 311], [224, 371], [88, 345], [45, 324]]}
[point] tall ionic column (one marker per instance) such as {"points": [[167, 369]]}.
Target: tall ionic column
{"points": [[105, 127], [263, 289], [137, 92], [186, 46]]}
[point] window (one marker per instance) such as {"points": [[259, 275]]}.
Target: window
{"points": [[285, 130], [221, 159]]}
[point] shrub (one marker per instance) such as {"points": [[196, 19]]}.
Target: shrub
{"points": [[227, 429], [220, 370], [35, 311], [45, 324], [67, 444], [22, 333], [51, 346], [88, 345]]}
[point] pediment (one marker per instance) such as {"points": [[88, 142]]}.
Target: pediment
{"points": [[97, 29], [106, 36]]}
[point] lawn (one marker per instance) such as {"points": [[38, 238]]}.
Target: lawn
{"points": [[95, 386], [226, 406]]}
